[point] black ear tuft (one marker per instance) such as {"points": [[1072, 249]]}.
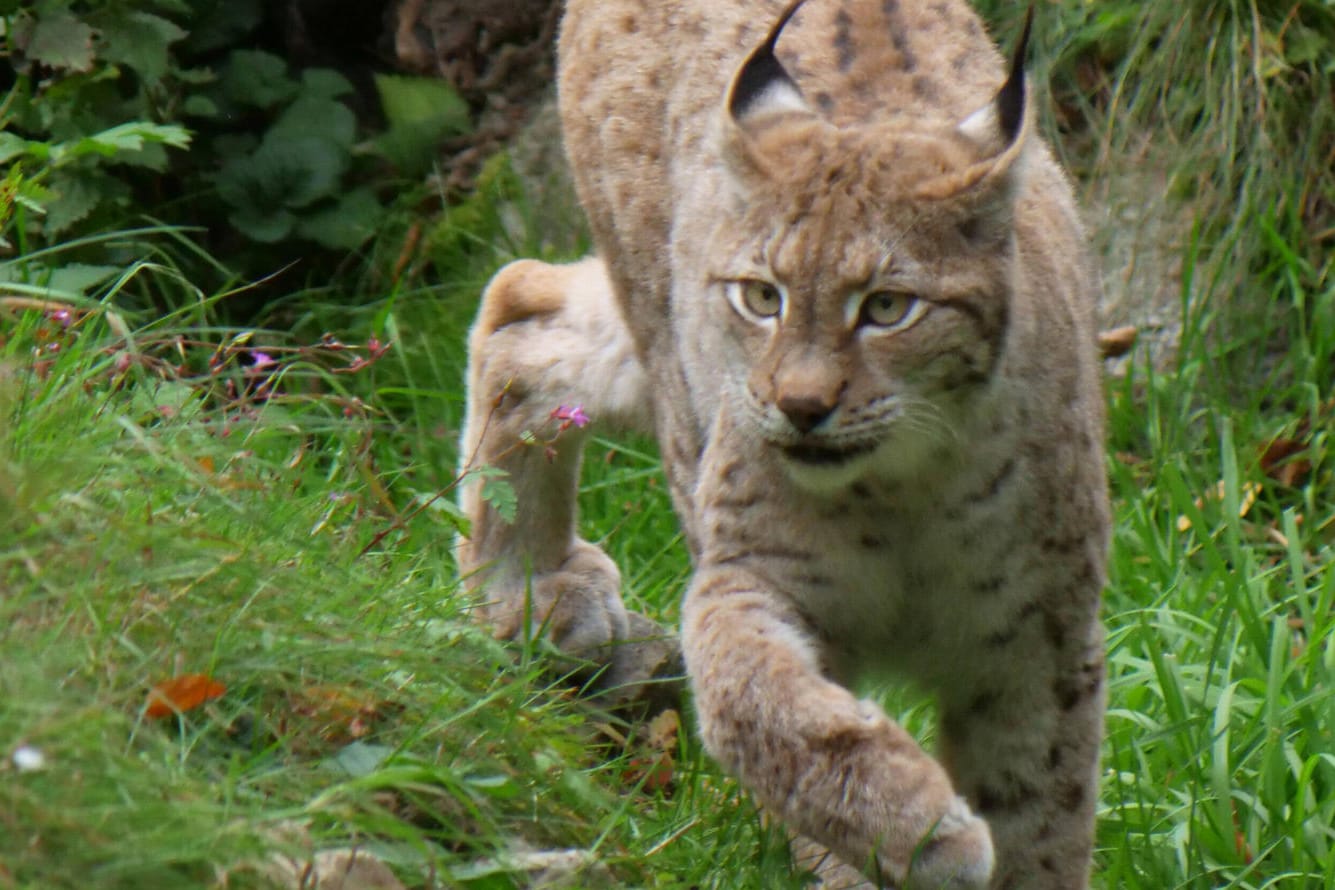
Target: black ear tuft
{"points": [[762, 72], [1010, 100]]}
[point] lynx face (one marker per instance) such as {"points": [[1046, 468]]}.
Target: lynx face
{"points": [[863, 274]]}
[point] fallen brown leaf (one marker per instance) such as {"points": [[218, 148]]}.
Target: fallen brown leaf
{"points": [[337, 714], [656, 768], [1118, 341]]}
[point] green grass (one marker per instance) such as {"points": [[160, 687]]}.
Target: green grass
{"points": [[1221, 743], [149, 528], [153, 525]]}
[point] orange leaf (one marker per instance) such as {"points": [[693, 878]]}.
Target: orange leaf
{"points": [[655, 773], [655, 769], [183, 693], [1280, 461]]}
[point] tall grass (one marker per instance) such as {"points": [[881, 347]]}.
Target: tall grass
{"points": [[1221, 748], [1203, 128]]}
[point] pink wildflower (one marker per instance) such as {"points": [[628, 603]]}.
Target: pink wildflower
{"points": [[260, 360], [376, 348], [568, 415]]}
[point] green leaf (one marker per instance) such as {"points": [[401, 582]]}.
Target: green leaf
{"points": [[446, 508], [33, 196], [169, 398], [61, 41], [138, 40], [14, 190], [152, 156], [360, 759], [311, 116], [495, 785], [125, 138], [320, 166], [1304, 45], [68, 281], [409, 101], [325, 83], [346, 224], [199, 106], [195, 76], [79, 278], [266, 227], [420, 112], [221, 24], [11, 146], [282, 174], [500, 494], [75, 194], [256, 78]]}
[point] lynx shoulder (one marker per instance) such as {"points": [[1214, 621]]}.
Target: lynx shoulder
{"points": [[842, 280]]}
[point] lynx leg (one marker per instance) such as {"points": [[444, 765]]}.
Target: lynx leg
{"points": [[835, 769], [1025, 752], [546, 336]]}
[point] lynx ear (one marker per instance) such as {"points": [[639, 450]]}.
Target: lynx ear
{"points": [[1002, 121], [999, 129], [762, 87]]}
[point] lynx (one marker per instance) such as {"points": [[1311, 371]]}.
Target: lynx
{"points": [[845, 285]]}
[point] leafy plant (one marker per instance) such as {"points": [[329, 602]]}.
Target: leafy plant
{"points": [[109, 94], [292, 180]]}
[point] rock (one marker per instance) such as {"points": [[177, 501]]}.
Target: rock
{"points": [[647, 671], [345, 869]]}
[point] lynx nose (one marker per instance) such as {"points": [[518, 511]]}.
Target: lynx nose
{"points": [[805, 412]]}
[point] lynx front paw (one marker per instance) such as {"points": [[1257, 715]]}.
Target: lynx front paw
{"points": [[577, 605], [958, 854]]}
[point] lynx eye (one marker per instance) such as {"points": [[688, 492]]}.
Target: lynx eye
{"points": [[755, 298], [889, 309]]}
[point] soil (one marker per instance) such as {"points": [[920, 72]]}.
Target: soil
{"points": [[498, 54]]}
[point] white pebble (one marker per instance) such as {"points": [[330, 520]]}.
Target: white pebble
{"points": [[27, 759]]}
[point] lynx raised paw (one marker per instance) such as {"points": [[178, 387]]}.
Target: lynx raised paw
{"points": [[577, 606]]}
